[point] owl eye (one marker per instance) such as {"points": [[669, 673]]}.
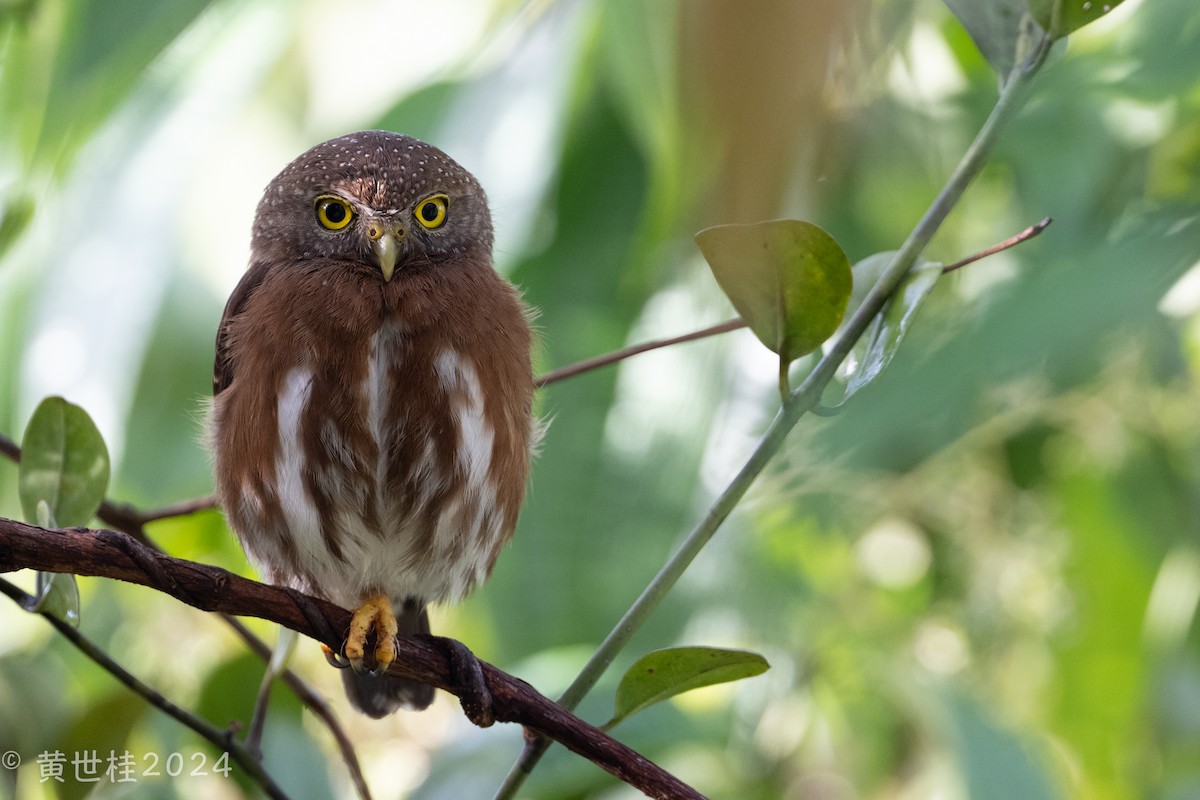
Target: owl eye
{"points": [[333, 212], [431, 212]]}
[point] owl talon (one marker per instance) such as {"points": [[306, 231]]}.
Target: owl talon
{"points": [[375, 613], [336, 660]]}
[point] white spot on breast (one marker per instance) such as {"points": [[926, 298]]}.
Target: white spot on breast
{"points": [[297, 506], [375, 388], [476, 436], [250, 501], [474, 512]]}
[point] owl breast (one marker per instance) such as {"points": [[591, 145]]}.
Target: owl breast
{"points": [[396, 467]]}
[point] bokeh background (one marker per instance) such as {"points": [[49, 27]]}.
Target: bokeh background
{"points": [[980, 580]]}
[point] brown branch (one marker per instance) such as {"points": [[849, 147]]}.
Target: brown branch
{"points": [[571, 370], [1012, 241], [125, 517], [221, 739], [113, 554]]}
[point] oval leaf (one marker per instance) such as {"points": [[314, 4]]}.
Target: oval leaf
{"points": [[662, 674], [1061, 17], [64, 464], [788, 279], [875, 350]]}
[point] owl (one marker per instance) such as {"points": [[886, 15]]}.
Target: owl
{"points": [[371, 422]]}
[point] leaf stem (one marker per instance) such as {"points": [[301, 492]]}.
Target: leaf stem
{"points": [[802, 400]]}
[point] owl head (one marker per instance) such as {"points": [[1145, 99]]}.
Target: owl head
{"points": [[373, 197]]}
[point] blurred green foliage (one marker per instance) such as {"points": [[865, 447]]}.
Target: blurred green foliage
{"points": [[979, 580]]}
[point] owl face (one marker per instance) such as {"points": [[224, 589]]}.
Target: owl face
{"points": [[376, 198]]}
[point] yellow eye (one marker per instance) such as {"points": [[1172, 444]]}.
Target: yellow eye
{"points": [[431, 212], [333, 212]]}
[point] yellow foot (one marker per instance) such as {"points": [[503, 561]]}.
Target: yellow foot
{"points": [[375, 612]]}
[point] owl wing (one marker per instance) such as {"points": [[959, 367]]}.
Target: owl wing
{"points": [[222, 365]]}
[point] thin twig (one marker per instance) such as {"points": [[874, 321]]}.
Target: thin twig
{"points": [[181, 509], [571, 370], [222, 739], [315, 703], [125, 517], [117, 555], [1012, 241], [122, 514], [589, 364]]}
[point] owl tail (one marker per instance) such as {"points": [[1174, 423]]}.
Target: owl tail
{"points": [[380, 695]]}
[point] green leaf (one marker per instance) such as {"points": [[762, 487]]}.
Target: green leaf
{"points": [[875, 350], [994, 26], [662, 674], [1061, 17], [57, 594], [788, 279], [64, 464]]}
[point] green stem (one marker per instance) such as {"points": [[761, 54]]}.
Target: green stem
{"points": [[799, 402]]}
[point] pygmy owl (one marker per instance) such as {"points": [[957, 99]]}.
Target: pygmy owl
{"points": [[371, 422]]}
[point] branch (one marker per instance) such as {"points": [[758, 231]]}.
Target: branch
{"points": [[221, 739], [126, 518], [1012, 241], [571, 370], [112, 554]]}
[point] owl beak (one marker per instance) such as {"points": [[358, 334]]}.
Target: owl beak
{"points": [[385, 242]]}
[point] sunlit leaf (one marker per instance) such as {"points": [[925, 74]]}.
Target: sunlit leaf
{"points": [[64, 463], [662, 674], [788, 279], [879, 344], [1061, 17]]}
